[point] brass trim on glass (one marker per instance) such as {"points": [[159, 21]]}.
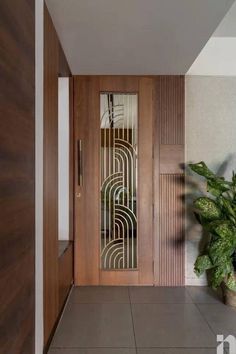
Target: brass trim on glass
{"points": [[119, 124]]}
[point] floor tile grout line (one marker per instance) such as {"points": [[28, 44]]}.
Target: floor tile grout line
{"points": [[189, 293], [131, 311], [100, 303], [162, 303], [66, 347], [197, 305], [129, 302], [66, 305], [141, 347], [143, 303], [200, 303], [136, 303]]}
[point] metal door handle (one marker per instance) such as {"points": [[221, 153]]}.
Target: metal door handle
{"points": [[80, 162]]}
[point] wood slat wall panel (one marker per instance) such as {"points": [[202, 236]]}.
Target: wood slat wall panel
{"points": [[170, 109], [168, 181], [171, 240], [17, 176]]}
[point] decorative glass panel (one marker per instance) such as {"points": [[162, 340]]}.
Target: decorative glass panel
{"points": [[119, 123]]}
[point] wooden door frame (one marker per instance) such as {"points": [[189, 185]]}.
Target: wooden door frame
{"points": [[87, 102]]}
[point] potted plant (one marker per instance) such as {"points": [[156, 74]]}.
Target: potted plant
{"points": [[216, 212]]}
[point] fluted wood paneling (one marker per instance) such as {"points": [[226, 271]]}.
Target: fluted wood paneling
{"points": [[171, 240], [170, 109], [169, 181]]}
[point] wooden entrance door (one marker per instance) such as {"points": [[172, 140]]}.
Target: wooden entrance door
{"points": [[88, 266]]}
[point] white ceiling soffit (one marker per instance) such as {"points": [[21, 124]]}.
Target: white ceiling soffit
{"points": [[135, 36], [218, 57]]}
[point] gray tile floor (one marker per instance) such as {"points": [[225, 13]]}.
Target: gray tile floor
{"points": [[142, 320]]}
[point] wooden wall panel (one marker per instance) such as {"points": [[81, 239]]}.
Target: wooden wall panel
{"points": [[17, 173], [55, 65], [63, 66], [171, 109], [169, 180], [71, 161], [50, 215], [171, 236], [119, 83], [87, 202]]}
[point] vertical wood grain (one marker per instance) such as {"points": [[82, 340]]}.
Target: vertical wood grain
{"points": [[71, 160], [156, 181], [55, 65], [119, 83], [17, 176], [145, 181], [63, 66], [50, 205], [87, 197]]}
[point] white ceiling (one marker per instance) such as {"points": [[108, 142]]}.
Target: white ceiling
{"points": [[218, 57], [135, 36]]}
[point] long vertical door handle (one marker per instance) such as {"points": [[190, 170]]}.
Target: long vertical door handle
{"points": [[80, 162]]}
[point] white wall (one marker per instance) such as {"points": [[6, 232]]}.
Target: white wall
{"points": [[210, 136], [63, 158], [217, 58], [39, 177]]}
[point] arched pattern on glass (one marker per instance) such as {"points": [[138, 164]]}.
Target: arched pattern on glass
{"points": [[119, 242]]}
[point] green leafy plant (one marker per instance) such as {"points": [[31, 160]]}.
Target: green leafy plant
{"points": [[217, 215]]}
